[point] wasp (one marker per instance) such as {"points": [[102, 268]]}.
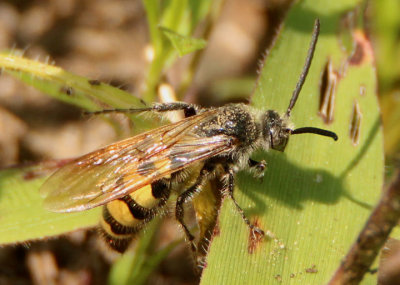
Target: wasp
{"points": [[134, 178]]}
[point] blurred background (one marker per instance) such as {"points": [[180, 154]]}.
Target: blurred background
{"points": [[108, 41]]}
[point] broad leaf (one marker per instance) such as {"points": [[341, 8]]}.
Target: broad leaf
{"points": [[317, 195]]}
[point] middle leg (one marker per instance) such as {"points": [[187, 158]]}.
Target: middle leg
{"points": [[186, 196], [231, 186]]}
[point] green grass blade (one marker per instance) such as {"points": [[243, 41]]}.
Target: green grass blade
{"points": [[199, 10], [70, 88], [181, 17], [153, 14], [21, 212], [173, 16], [64, 85], [317, 195], [183, 44], [134, 267]]}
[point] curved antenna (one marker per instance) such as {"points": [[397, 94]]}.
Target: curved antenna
{"points": [[318, 131], [306, 67]]}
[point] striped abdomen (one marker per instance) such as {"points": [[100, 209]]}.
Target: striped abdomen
{"points": [[125, 217]]}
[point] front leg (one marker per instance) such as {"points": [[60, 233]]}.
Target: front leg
{"points": [[231, 186], [188, 109], [258, 167]]}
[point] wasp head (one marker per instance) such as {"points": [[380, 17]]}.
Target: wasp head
{"points": [[275, 130]]}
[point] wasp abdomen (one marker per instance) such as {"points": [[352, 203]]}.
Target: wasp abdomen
{"points": [[123, 218]]}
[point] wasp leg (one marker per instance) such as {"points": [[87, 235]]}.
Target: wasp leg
{"points": [[258, 167], [186, 196], [188, 109], [231, 187], [257, 164]]}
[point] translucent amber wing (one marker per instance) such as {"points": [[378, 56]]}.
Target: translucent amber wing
{"points": [[123, 167]]}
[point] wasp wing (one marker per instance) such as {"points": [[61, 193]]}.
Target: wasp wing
{"points": [[123, 167]]}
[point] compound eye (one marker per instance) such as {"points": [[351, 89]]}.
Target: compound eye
{"points": [[279, 140]]}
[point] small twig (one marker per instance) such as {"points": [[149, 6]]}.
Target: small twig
{"points": [[375, 233]]}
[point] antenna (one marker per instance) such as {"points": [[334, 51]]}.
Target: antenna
{"points": [[318, 131], [299, 85], [306, 67]]}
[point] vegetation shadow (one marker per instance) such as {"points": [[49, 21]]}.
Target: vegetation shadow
{"points": [[290, 185]]}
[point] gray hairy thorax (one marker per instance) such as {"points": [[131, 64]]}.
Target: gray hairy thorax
{"points": [[238, 121]]}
